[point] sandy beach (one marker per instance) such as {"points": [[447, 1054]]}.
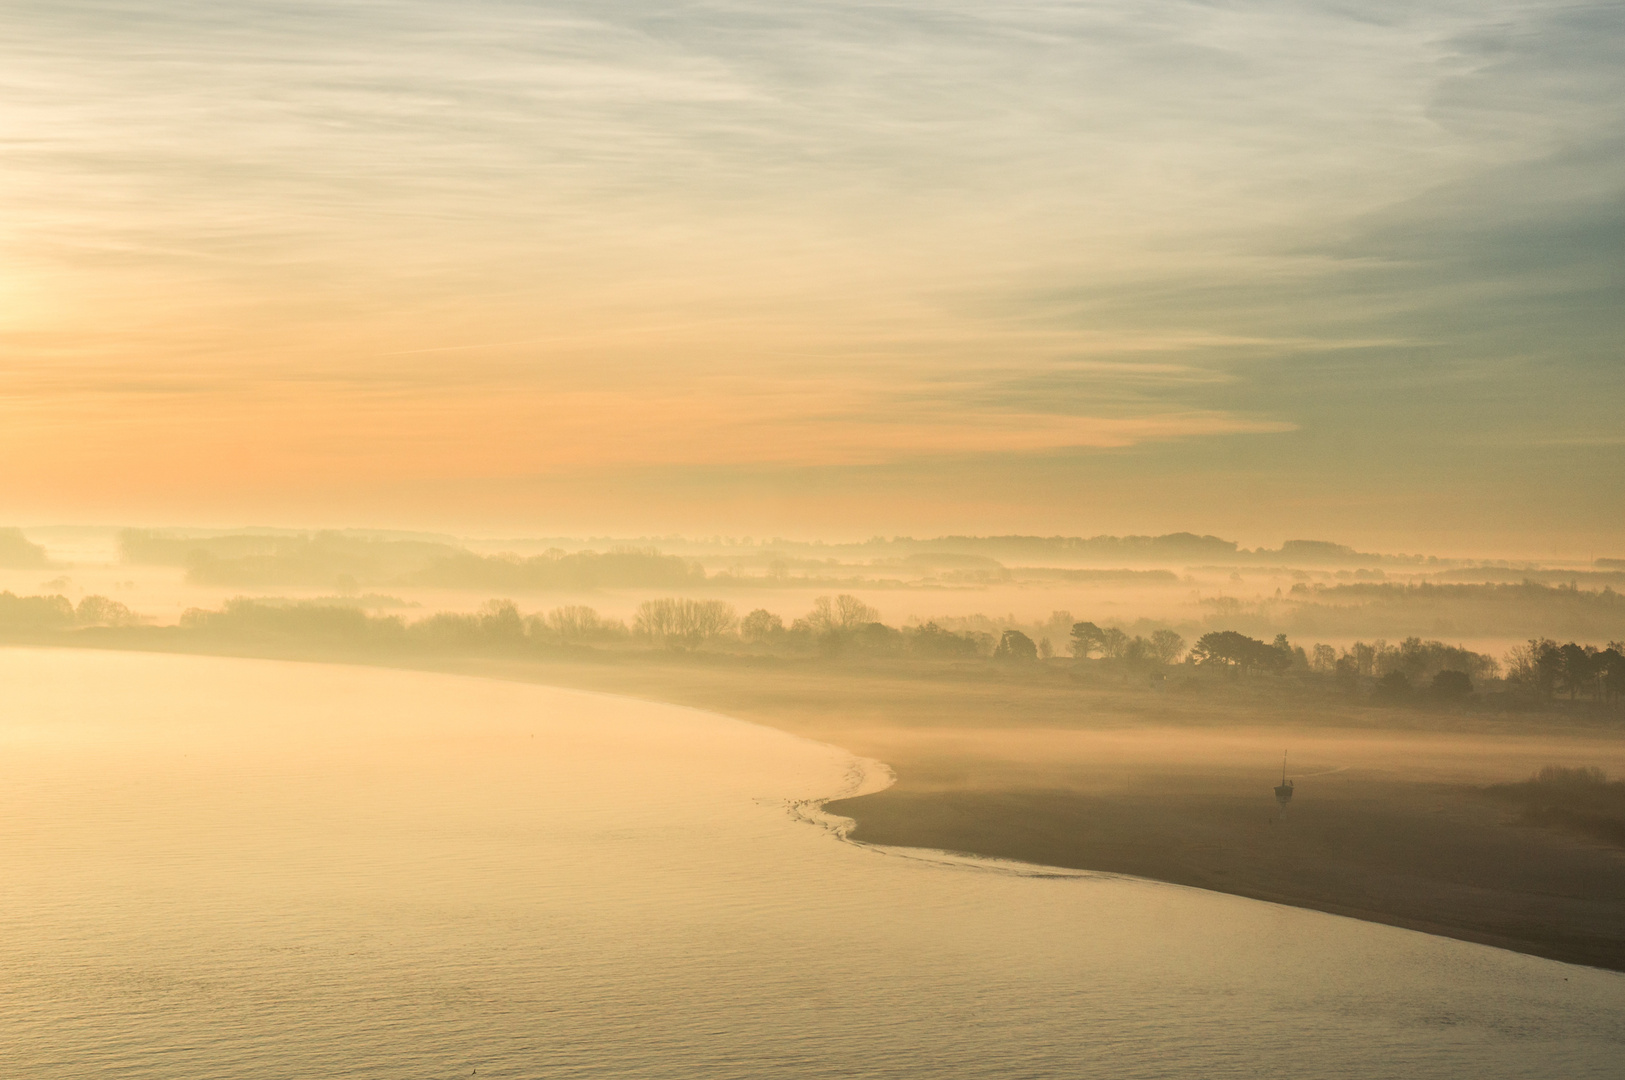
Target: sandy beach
{"points": [[1429, 857], [1389, 822]]}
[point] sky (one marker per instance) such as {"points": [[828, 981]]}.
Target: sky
{"points": [[833, 269]]}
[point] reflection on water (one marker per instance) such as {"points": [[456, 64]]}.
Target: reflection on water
{"points": [[221, 868]]}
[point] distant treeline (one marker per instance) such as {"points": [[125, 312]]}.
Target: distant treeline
{"points": [[339, 559], [350, 561], [1360, 609], [844, 626], [1124, 577], [1387, 673], [346, 561], [333, 559], [17, 552], [625, 567], [1182, 547], [1173, 547], [253, 560], [1492, 575], [260, 559], [835, 625], [1577, 670], [1394, 592], [30, 614]]}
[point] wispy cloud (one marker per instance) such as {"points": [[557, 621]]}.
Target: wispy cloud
{"points": [[968, 227]]}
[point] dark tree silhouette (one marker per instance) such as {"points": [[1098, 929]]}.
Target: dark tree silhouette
{"points": [[933, 641], [1575, 668], [1394, 686], [1015, 646], [1087, 638], [1227, 648], [1452, 685]]}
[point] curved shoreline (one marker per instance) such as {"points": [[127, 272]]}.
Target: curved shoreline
{"points": [[1367, 844], [1345, 864]]}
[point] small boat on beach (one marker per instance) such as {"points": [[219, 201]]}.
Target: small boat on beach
{"points": [[1283, 793]]}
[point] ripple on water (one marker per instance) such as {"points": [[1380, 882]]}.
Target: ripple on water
{"points": [[225, 868]]}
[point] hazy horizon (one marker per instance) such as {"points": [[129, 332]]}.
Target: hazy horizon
{"points": [[48, 534]]}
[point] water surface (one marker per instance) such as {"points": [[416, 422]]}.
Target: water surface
{"points": [[229, 868]]}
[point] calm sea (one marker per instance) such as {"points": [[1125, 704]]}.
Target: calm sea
{"points": [[221, 868]]}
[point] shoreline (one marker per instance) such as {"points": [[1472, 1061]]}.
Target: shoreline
{"points": [[1393, 830], [1458, 871]]}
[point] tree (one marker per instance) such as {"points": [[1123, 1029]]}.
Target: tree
{"points": [[100, 611], [573, 623], [1575, 668], [1282, 656], [1537, 666], [499, 620], [1058, 625], [843, 622], [872, 637], [761, 625], [656, 619], [1611, 671], [834, 616], [851, 612], [1420, 660], [35, 612], [708, 618], [1365, 658], [1086, 638], [1015, 646], [1219, 648], [1548, 665], [932, 640], [1166, 646], [682, 623], [1452, 685], [1227, 648], [1392, 687]]}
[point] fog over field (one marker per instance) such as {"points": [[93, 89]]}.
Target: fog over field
{"points": [[1105, 703], [1307, 589]]}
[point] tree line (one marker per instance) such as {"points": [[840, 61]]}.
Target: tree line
{"points": [[840, 625], [1549, 669]]}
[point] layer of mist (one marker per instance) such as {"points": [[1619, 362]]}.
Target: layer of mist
{"points": [[1124, 718], [844, 629]]}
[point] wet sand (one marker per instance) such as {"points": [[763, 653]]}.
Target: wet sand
{"points": [[1429, 857], [1388, 822]]}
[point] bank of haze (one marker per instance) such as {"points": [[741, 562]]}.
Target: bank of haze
{"points": [[1132, 736]]}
